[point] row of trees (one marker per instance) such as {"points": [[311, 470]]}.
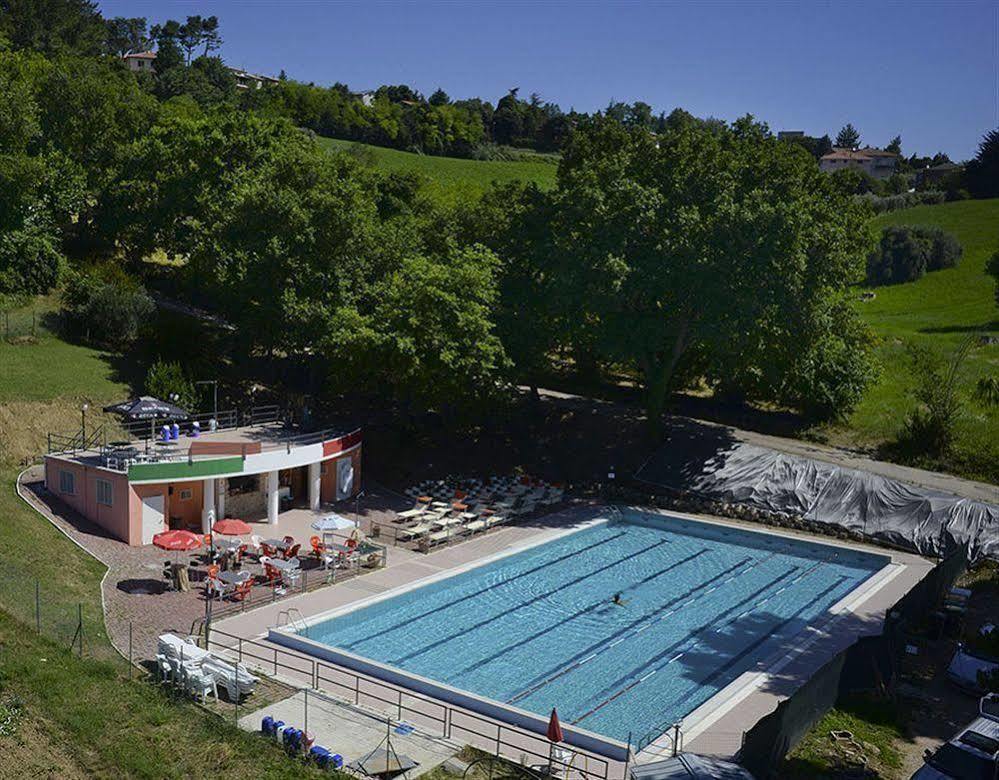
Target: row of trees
{"points": [[707, 253]]}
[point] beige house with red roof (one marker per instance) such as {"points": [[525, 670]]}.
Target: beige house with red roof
{"points": [[877, 162]]}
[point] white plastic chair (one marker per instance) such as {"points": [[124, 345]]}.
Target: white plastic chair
{"points": [[200, 685], [166, 670]]}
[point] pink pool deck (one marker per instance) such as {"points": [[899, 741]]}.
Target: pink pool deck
{"points": [[715, 728]]}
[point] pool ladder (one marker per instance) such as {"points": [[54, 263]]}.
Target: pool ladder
{"points": [[294, 619]]}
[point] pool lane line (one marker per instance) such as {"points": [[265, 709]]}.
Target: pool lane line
{"points": [[687, 640], [598, 647], [691, 637], [628, 557], [578, 614], [741, 655], [769, 634], [479, 592]]}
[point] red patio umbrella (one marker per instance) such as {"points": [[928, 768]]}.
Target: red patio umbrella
{"points": [[177, 540], [231, 527]]}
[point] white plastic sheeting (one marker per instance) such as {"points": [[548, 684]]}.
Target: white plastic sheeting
{"points": [[925, 521]]}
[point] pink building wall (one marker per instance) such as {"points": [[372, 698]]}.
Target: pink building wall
{"points": [[117, 519]]}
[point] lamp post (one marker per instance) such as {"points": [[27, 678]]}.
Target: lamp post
{"points": [[357, 509], [83, 422]]}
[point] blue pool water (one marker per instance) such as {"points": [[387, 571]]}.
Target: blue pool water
{"points": [[702, 604]]}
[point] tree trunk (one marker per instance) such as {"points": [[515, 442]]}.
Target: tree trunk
{"points": [[659, 369]]}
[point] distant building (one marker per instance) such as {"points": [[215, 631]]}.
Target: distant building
{"points": [[247, 80], [937, 173], [366, 96], [140, 61], [144, 61], [877, 162], [790, 135]]}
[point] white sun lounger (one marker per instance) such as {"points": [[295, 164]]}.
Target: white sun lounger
{"points": [[410, 513], [416, 530]]}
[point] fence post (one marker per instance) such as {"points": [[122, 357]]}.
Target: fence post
{"points": [[38, 607], [305, 728], [129, 649], [627, 758], [400, 705], [79, 622], [275, 660]]}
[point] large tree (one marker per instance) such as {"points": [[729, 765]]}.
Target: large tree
{"points": [[714, 251], [983, 170]]}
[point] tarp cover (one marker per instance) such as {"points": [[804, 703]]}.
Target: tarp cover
{"points": [[712, 463]]}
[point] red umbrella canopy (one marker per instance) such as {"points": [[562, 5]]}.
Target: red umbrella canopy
{"points": [[554, 728], [231, 527], [177, 540]]}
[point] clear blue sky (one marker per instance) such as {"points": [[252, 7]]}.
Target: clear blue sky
{"points": [[926, 70]]}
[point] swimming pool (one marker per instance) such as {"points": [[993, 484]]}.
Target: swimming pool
{"points": [[701, 603]]}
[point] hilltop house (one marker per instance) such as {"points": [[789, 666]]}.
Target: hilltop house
{"points": [[144, 61], [877, 162]]}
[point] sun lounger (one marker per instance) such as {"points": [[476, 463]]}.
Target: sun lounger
{"points": [[414, 531], [410, 513]]}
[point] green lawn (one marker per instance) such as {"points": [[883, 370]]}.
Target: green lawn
{"points": [[45, 367], [60, 715], [938, 311], [874, 725], [451, 179]]}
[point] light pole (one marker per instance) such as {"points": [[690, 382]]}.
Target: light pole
{"points": [[357, 509], [83, 422]]}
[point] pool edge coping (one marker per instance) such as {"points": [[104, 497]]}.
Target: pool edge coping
{"points": [[704, 715]]}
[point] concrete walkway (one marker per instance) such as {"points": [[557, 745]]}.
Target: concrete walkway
{"points": [[353, 732]]}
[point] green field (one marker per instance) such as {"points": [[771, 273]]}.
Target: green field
{"points": [[451, 179], [938, 311]]}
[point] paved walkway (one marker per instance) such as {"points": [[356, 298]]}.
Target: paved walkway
{"points": [[353, 732]]}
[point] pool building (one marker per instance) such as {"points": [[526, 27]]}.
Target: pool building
{"points": [[135, 489]]}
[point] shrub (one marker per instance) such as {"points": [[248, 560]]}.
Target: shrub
{"points": [[906, 252], [30, 261], [905, 200], [164, 380], [106, 307]]}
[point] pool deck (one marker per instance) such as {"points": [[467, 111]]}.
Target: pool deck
{"points": [[714, 728]]}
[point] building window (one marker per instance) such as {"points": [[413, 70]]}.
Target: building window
{"points": [[186, 494], [322, 467], [67, 483], [104, 493]]}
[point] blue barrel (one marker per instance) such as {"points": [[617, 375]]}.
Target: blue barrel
{"points": [[278, 729], [267, 725], [337, 760], [320, 755]]}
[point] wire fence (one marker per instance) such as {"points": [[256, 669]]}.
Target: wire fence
{"points": [[20, 325], [71, 623]]}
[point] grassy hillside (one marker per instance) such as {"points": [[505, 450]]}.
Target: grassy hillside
{"points": [[451, 179], [938, 311]]}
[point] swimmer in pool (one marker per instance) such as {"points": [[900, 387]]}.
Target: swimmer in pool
{"points": [[618, 600]]}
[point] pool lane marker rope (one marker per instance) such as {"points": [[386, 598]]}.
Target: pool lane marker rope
{"points": [[437, 610], [505, 613], [597, 604], [654, 616], [691, 640], [763, 637]]}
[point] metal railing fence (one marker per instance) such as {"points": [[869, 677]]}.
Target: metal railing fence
{"points": [[434, 717]]}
